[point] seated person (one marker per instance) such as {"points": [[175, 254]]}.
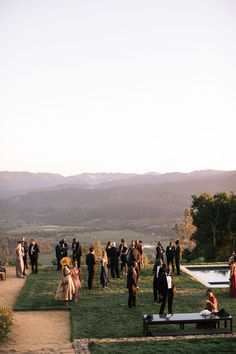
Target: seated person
{"points": [[210, 305], [211, 302]]}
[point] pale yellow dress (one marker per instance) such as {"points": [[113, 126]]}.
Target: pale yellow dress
{"points": [[66, 288], [19, 261]]}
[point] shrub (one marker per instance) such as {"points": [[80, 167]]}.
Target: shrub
{"points": [[6, 318]]}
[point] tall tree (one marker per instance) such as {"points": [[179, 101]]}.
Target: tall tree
{"points": [[214, 218]]}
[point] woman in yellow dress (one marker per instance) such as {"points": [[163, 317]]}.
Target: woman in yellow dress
{"points": [[66, 288]]}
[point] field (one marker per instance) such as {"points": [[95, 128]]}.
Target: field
{"points": [[103, 313]]}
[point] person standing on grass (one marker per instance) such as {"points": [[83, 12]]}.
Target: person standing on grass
{"points": [[140, 248], [232, 287], [76, 280], [177, 256], [160, 251], [114, 261], [167, 291], [91, 266], [104, 270], [66, 288], [33, 255], [170, 255], [123, 259], [157, 271], [132, 284], [59, 254], [78, 253]]}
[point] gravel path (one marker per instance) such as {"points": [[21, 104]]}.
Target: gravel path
{"points": [[34, 331]]}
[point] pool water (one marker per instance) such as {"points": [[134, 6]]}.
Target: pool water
{"points": [[210, 276]]}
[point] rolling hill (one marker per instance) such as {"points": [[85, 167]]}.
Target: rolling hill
{"points": [[147, 203]]}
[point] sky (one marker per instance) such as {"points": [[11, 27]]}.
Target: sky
{"points": [[128, 86]]}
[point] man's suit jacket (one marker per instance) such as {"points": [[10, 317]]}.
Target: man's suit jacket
{"points": [[33, 255], [91, 261], [163, 285]]}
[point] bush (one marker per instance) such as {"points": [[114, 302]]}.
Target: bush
{"points": [[6, 318]]}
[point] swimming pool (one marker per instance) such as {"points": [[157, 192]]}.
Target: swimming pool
{"points": [[212, 276]]}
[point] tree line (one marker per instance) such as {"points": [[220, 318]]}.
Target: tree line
{"points": [[214, 217]]}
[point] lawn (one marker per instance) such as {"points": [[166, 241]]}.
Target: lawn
{"points": [[102, 313]]}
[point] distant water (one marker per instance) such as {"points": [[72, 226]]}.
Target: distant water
{"points": [[149, 246]]}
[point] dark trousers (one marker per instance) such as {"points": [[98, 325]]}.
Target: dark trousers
{"points": [[167, 297], [90, 278], [156, 294], [78, 259], [115, 272], [34, 265], [177, 266], [132, 298], [170, 260], [58, 263]]}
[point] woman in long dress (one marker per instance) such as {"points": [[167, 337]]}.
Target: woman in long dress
{"points": [[76, 280], [19, 261], [232, 288], [104, 270], [66, 288]]}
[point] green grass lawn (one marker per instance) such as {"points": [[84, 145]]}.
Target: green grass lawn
{"points": [[102, 313], [204, 346]]}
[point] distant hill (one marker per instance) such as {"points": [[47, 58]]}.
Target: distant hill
{"points": [[147, 203]]}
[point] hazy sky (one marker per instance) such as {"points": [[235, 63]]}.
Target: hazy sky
{"points": [[117, 85]]}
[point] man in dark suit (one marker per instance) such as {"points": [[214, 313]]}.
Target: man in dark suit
{"points": [[132, 286], [59, 254], [33, 254], [78, 253], [114, 260], [167, 290], [91, 265], [177, 256]]}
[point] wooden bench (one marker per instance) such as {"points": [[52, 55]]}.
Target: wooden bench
{"points": [[182, 319], [3, 273]]}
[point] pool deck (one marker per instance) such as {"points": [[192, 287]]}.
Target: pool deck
{"points": [[209, 266]]}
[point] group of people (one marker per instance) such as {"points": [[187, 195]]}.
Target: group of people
{"points": [[172, 255], [125, 259], [23, 250], [113, 260], [61, 250]]}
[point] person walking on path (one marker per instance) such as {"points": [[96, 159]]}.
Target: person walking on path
{"points": [[25, 254], [19, 260]]}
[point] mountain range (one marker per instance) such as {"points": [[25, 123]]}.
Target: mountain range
{"points": [[151, 202]]}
